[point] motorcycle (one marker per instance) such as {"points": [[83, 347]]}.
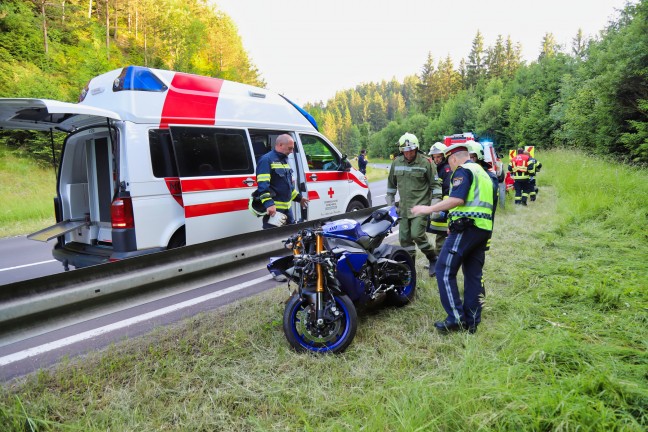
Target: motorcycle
{"points": [[336, 267]]}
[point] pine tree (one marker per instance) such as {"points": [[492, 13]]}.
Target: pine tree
{"points": [[476, 67], [549, 46], [426, 86], [578, 45]]}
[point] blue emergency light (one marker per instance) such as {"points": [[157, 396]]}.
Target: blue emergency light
{"points": [[138, 78]]}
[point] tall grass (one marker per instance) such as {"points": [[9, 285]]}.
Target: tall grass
{"points": [[26, 195], [562, 346]]}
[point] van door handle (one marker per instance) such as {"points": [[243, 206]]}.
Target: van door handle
{"points": [[248, 181], [313, 177]]}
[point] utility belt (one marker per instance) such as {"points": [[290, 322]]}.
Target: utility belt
{"points": [[461, 224]]}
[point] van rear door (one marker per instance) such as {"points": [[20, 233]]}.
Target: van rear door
{"points": [[46, 114]]}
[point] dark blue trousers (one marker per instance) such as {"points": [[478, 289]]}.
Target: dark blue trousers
{"points": [[466, 249]]}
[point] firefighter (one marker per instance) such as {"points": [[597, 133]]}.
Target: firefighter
{"points": [[412, 176], [276, 188], [470, 216], [532, 177], [438, 224], [519, 168]]}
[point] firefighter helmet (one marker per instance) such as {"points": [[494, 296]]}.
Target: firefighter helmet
{"points": [[408, 142], [437, 148], [256, 207], [476, 149]]}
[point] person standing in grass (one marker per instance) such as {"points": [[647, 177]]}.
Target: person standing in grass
{"points": [[470, 216], [411, 175], [519, 168], [438, 224]]}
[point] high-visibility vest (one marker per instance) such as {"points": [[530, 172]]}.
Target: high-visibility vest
{"points": [[479, 202], [520, 166]]}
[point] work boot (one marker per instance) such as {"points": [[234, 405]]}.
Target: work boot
{"points": [[432, 270]]}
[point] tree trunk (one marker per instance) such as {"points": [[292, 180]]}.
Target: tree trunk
{"points": [[63, 7], [115, 30], [89, 9], [44, 28], [107, 32]]}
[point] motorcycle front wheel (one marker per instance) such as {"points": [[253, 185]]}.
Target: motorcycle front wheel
{"points": [[334, 335], [405, 294]]}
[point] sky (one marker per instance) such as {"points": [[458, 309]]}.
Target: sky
{"points": [[307, 50]]}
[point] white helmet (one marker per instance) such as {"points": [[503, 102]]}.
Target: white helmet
{"points": [[437, 148], [408, 142]]}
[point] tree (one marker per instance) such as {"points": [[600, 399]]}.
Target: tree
{"points": [[475, 67], [427, 87], [549, 46], [578, 45]]}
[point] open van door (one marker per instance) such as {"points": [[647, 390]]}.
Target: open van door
{"points": [[46, 114], [84, 200]]}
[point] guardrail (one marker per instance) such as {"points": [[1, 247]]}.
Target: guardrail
{"points": [[92, 285]]}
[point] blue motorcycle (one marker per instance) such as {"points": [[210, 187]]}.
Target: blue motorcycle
{"points": [[337, 266]]}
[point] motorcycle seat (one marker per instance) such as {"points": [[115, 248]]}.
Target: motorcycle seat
{"points": [[374, 227]]}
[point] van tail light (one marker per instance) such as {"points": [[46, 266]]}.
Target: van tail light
{"points": [[121, 213]]}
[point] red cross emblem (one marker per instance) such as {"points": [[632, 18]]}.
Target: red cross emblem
{"points": [[330, 192]]}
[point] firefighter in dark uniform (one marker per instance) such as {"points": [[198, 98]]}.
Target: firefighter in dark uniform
{"points": [[470, 220], [536, 166], [411, 175], [276, 189], [438, 224]]}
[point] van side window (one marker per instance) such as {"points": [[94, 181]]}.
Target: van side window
{"points": [[202, 151], [162, 159], [319, 155]]}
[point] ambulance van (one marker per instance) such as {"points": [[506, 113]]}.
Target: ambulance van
{"points": [[155, 159]]}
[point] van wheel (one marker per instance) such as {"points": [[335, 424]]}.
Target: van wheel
{"points": [[355, 205], [178, 239]]}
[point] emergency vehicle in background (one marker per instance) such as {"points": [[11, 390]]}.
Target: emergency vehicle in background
{"points": [[490, 155], [156, 159]]}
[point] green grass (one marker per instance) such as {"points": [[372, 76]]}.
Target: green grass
{"points": [[26, 195], [562, 345]]}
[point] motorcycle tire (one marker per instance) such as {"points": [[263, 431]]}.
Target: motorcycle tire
{"points": [[302, 333], [402, 296]]}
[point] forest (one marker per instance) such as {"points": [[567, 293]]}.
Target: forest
{"points": [[592, 95]]}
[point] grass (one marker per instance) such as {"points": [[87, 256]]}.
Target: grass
{"points": [[562, 345], [26, 195]]}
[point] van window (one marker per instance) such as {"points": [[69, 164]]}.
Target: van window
{"points": [[162, 159], [319, 155], [202, 151]]}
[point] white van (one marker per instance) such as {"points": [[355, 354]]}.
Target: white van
{"points": [[157, 159]]}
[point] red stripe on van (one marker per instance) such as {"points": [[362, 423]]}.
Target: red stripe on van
{"points": [[201, 185], [333, 176], [215, 208], [313, 195], [191, 99]]}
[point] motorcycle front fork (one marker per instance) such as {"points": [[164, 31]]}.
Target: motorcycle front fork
{"points": [[319, 288]]}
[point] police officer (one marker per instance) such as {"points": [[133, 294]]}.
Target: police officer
{"points": [[470, 208], [412, 176], [439, 221], [276, 188]]}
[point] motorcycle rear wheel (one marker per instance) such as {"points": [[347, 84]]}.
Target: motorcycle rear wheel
{"points": [[334, 336], [401, 296]]}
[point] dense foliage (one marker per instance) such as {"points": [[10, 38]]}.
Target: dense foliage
{"points": [[52, 49], [593, 95]]}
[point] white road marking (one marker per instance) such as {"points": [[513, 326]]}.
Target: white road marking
{"points": [[21, 355], [26, 265]]}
